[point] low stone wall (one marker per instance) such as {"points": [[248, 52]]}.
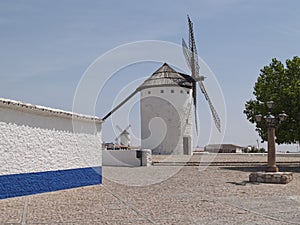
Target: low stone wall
{"points": [[127, 157], [45, 149]]}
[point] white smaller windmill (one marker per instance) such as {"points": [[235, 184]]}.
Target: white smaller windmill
{"points": [[124, 136]]}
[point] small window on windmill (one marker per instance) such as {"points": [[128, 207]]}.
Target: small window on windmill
{"points": [[149, 92], [172, 91], [161, 91], [188, 92], [181, 91]]}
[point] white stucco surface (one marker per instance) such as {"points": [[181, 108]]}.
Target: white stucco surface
{"points": [[127, 158], [37, 139], [120, 158], [168, 108]]}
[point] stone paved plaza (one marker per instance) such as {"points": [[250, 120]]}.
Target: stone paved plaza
{"points": [[166, 195]]}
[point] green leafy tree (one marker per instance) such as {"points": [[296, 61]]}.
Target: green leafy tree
{"points": [[280, 84]]}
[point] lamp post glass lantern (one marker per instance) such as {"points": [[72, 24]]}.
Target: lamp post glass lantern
{"points": [[258, 117], [282, 116], [271, 121], [270, 104]]}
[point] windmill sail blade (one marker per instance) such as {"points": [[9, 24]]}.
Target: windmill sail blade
{"points": [[194, 93], [203, 90], [187, 54], [117, 138], [190, 54], [189, 58], [187, 114], [119, 128], [122, 130], [122, 103], [212, 108], [196, 120], [193, 50], [192, 58], [192, 44], [127, 127]]}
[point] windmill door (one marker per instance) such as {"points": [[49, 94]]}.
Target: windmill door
{"points": [[187, 145]]}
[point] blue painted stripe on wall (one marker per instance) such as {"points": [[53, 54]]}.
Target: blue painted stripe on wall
{"points": [[14, 185]]}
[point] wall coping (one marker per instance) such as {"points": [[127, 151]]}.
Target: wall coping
{"points": [[18, 105]]}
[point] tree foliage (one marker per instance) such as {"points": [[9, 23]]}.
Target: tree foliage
{"points": [[280, 84]]}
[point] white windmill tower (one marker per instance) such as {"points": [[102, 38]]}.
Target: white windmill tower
{"points": [[167, 98], [124, 136]]}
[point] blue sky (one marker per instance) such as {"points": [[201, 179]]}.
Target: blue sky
{"points": [[45, 46]]}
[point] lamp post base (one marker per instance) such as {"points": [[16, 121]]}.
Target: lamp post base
{"points": [[271, 177], [272, 169]]}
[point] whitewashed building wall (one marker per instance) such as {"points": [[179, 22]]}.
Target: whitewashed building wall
{"points": [[40, 150], [166, 112], [170, 105]]}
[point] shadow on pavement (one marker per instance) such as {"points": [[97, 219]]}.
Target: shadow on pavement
{"points": [[294, 169]]}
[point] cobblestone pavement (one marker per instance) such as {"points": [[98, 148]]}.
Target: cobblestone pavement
{"points": [[190, 195]]}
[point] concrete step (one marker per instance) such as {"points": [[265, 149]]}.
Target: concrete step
{"points": [[178, 163]]}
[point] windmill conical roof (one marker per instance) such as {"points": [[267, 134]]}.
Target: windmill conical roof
{"points": [[167, 76]]}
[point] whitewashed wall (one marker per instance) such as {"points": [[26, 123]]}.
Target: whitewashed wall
{"points": [[166, 108], [127, 157], [120, 158], [41, 152]]}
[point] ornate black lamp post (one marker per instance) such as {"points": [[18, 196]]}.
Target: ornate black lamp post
{"points": [[271, 122]]}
